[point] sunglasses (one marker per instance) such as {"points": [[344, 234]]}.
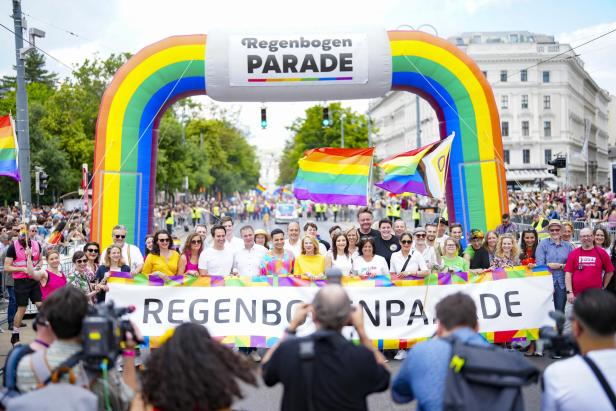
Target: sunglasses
{"points": [[163, 240], [420, 235], [81, 261], [554, 230], [195, 241], [92, 250], [120, 236], [406, 242]]}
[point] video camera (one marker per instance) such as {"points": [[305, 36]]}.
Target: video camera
{"points": [[104, 333], [555, 339]]}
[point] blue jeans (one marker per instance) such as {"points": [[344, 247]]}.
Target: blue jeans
{"points": [[12, 308], [560, 298]]}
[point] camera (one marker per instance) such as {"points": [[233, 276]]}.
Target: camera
{"points": [[104, 333], [555, 339]]}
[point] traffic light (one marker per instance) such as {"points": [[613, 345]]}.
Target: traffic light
{"points": [[263, 117], [326, 122], [43, 181], [558, 162]]}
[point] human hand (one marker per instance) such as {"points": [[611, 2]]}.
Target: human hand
{"points": [[555, 266], [133, 338], [570, 298], [531, 265], [299, 317], [356, 319]]}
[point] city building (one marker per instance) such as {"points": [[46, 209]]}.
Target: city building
{"points": [[269, 160], [545, 97]]}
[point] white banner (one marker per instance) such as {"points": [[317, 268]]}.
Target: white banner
{"points": [[391, 313], [297, 64]]}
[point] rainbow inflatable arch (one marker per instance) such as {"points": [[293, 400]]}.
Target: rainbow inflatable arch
{"points": [[174, 68]]}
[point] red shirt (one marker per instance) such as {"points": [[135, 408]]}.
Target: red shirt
{"points": [[587, 267]]}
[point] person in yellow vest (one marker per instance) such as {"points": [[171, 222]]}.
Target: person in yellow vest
{"points": [[335, 209], [170, 220], [196, 215], [389, 211], [396, 210], [250, 209], [415, 214], [540, 225]]}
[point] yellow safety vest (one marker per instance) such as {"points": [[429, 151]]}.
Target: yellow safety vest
{"points": [[415, 212], [216, 211], [169, 220], [390, 210], [538, 227], [196, 213]]}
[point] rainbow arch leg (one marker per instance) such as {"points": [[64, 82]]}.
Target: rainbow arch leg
{"points": [[174, 68], [464, 103]]}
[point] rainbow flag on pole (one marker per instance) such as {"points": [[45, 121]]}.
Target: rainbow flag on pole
{"points": [[8, 149], [260, 188], [334, 175], [421, 171]]}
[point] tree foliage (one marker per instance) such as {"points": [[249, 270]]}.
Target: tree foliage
{"points": [[212, 153], [309, 133]]}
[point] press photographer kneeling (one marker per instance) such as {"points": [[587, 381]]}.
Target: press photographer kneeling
{"points": [[586, 381], [85, 361]]}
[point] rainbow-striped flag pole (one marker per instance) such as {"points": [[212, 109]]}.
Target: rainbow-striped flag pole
{"points": [[334, 175], [8, 149]]}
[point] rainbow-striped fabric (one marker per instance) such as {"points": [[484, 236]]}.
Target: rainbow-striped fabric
{"points": [[334, 175], [8, 149], [294, 281]]}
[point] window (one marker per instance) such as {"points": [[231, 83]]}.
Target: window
{"points": [[547, 128], [505, 102], [546, 76], [505, 129], [548, 155], [524, 100], [513, 38], [525, 128], [524, 75], [547, 102], [504, 75], [526, 156], [485, 74], [506, 156]]}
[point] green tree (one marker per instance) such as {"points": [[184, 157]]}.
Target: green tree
{"points": [[35, 72], [310, 133]]}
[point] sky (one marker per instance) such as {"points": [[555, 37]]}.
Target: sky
{"points": [[101, 28]]}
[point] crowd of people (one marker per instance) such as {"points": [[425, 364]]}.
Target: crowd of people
{"points": [[579, 260]]}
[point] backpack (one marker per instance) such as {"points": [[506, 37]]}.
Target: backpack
{"points": [[9, 382], [486, 378]]}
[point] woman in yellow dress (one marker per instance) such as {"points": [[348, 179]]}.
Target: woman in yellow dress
{"points": [[310, 263], [162, 260]]}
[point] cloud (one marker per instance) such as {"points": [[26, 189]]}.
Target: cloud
{"points": [[599, 56]]}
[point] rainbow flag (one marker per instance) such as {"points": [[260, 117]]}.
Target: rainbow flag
{"points": [[260, 188], [421, 171], [8, 149], [334, 175]]}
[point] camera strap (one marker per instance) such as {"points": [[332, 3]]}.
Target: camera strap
{"points": [[306, 355], [604, 384]]}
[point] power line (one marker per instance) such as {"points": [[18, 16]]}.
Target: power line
{"points": [[38, 48], [571, 49], [72, 33]]}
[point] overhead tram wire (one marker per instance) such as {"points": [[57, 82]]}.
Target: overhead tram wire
{"points": [[72, 33]]}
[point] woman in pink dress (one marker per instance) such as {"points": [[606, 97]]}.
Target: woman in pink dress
{"points": [[52, 277], [189, 259]]}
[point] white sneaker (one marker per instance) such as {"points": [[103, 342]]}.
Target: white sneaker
{"points": [[400, 355], [255, 356]]}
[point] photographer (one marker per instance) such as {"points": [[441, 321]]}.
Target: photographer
{"points": [[324, 371], [572, 384], [65, 311]]}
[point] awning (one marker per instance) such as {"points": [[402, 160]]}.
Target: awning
{"points": [[529, 175]]}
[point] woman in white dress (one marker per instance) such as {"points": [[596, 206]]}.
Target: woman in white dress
{"points": [[367, 264], [338, 256], [407, 262], [353, 237]]}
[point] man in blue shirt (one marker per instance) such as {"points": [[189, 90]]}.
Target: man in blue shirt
{"points": [[422, 374], [553, 252]]}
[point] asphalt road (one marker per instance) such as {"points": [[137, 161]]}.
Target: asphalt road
{"points": [[264, 398]]}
